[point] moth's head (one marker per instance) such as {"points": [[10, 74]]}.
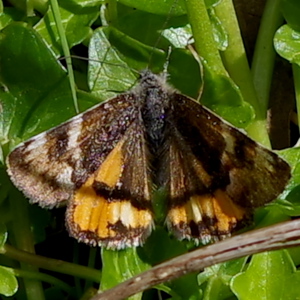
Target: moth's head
{"points": [[150, 80]]}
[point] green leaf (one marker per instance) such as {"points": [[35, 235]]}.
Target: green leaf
{"points": [[271, 214], [287, 43], [5, 186], [158, 7], [76, 19], [185, 287], [222, 96], [3, 235], [270, 275], [134, 22], [166, 7], [36, 93], [119, 266], [184, 73], [292, 156], [179, 37], [216, 279], [36, 86], [9, 15], [105, 64], [220, 34], [290, 205], [212, 3], [295, 255], [291, 11], [169, 247], [115, 69], [8, 282], [289, 200]]}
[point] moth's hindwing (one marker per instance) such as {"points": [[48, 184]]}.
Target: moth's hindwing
{"points": [[216, 175], [113, 206]]}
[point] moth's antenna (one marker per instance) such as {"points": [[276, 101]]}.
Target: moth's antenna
{"points": [[160, 36], [166, 64], [200, 64]]}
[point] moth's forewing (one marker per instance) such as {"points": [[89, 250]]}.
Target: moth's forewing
{"points": [[217, 174], [96, 162]]}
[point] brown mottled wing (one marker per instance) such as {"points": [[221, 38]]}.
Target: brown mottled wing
{"points": [[215, 174], [85, 162], [112, 208], [49, 166]]}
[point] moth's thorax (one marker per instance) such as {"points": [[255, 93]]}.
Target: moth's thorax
{"points": [[155, 98]]}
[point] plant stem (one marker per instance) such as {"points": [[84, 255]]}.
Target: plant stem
{"points": [[264, 53], [203, 35], [24, 240], [40, 5], [40, 276], [52, 264], [235, 60], [296, 73], [65, 47]]}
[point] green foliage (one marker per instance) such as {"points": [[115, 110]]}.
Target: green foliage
{"points": [[28, 96], [118, 41], [119, 266], [270, 275], [291, 10], [9, 283], [215, 280], [287, 43], [77, 18], [165, 7]]}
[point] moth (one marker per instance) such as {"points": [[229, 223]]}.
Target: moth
{"points": [[106, 162]]}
